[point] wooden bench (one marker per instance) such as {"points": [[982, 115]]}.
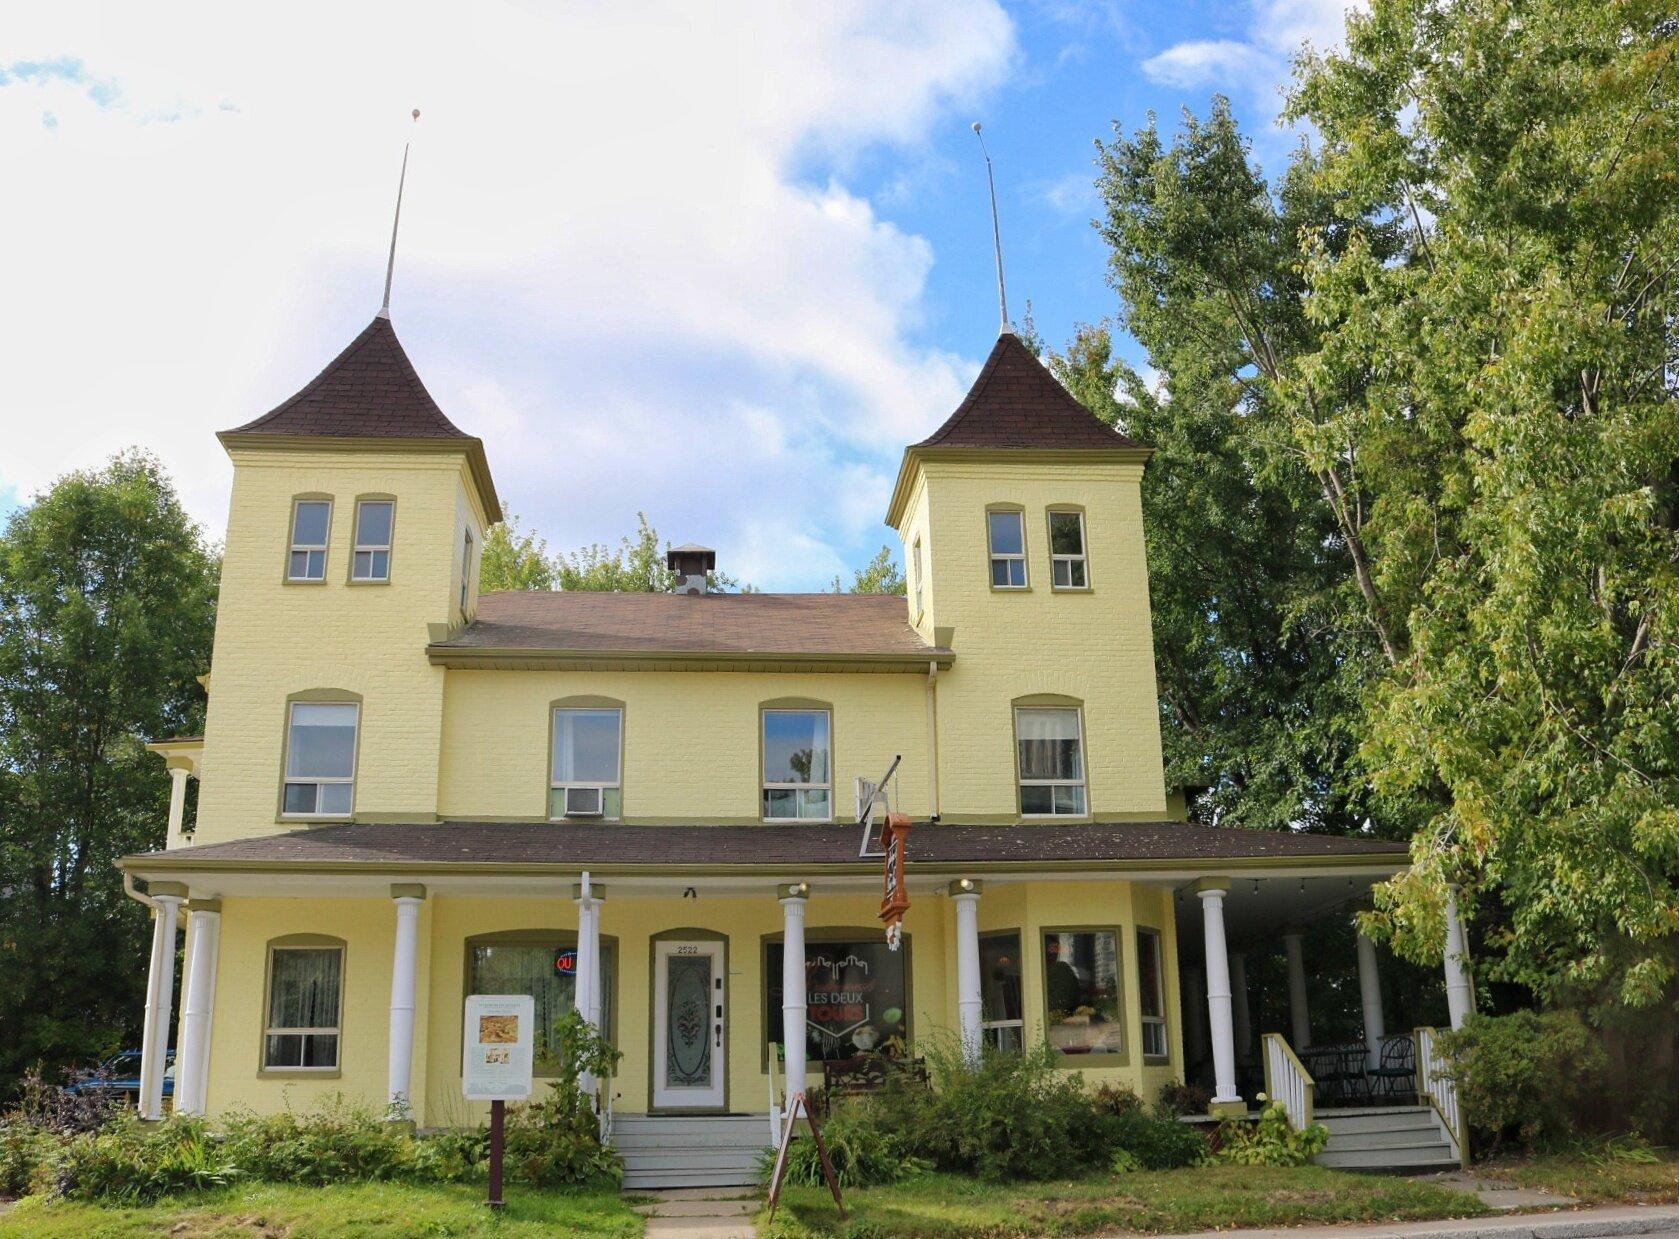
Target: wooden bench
{"points": [[868, 1073]]}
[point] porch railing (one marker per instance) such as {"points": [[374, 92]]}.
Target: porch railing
{"points": [[1287, 1081], [1435, 1083]]}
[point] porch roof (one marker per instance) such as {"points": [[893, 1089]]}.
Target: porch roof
{"points": [[525, 846]]}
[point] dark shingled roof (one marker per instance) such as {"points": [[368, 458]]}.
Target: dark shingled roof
{"points": [[807, 625], [1016, 402], [370, 390], [567, 844]]}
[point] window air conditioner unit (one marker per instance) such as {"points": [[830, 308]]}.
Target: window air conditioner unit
{"points": [[583, 801]]}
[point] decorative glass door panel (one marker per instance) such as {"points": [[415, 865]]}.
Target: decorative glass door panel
{"points": [[688, 1015]]}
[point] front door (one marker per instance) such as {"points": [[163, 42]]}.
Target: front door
{"points": [[688, 1012]]}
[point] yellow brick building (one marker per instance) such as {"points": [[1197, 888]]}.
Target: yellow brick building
{"points": [[647, 805]]}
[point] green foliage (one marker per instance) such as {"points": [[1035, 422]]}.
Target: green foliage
{"points": [[555, 1139], [514, 558], [24, 1151], [880, 576], [1529, 1073], [339, 1143], [1176, 1098], [135, 1163], [1124, 1161], [1269, 1140], [107, 603], [861, 1150], [1154, 1141], [1110, 1098]]}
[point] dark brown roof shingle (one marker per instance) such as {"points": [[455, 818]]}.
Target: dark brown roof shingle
{"points": [[810, 625], [570, 844], [370, 390], [1017, 403]]}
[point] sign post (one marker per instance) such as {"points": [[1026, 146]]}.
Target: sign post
{"points": [[497, 1050], [800, 1104]]}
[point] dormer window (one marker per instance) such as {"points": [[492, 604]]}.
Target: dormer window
{"points": [[1067, 566], [372, 557], [1007, 532], [310, 521]]}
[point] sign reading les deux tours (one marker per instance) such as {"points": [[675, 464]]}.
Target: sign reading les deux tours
{"points": [[496, 1047]]}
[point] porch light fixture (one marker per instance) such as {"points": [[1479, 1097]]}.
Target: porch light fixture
{"points": [[688, 892], [965, 884], [1256, 886]]}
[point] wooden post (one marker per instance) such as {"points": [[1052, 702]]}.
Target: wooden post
{"points": [[498, 1110]]}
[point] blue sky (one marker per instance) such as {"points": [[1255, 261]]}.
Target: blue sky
{"points": [[717, 264]]}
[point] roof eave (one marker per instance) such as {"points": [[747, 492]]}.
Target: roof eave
{"points": [[442, 654]]}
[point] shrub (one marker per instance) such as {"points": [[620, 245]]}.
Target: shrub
{"points": [[1527, 1072], [24, 1152], [1176, 1098], [1154, 1141], [341, 1142], [861, 1150], [556, 1140], [136, 1163], [82, 1101], [1011, 1116], [1115, 1099], [1271, 1140]]}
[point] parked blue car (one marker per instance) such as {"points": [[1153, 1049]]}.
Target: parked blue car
{"points": [[120, 1074]]}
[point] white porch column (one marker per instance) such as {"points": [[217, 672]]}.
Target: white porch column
{"points": [[1194, 1015], [587, 995], [1460, 998], [969, 1001], [1370, 997], [1211, 892], [1239, 995], [794, 899], [167, 898], [404, 962], [198, 1001], [1300, 1018], [178, 776]]}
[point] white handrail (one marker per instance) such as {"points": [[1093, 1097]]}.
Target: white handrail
{"points": [[1435, 1083], [775, 1104], [1287, 1081]]}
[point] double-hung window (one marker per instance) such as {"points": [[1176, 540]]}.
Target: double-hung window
{"points": [[1006, 532], [310, 521], [1067, 566], [1150, 989], [371, 560], [586, 774], [320, 759], [1002, 1017], [915, 567], [1050, 743], [305, 995], [798, 783]]}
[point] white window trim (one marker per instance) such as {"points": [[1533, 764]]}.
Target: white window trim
{"points": [[285, 766], [995, 555], [915, 559], [1084, 767], [1083, 557], [335, 1031], [764, 785], [294, 546], [360, 547], [617, 784], [1159, 951]]}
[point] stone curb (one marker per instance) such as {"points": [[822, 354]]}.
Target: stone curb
{"points": [[1576, 1224]]}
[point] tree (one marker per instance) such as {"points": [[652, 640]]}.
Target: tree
{"points": [[107, 605], [637, 566], [515, 559], [881, 575]]}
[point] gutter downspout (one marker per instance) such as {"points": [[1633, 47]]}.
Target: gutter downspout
{"points": [[933, 739], [128, 889]]}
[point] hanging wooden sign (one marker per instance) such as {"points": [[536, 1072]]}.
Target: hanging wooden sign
{"points": [[894, 843]]}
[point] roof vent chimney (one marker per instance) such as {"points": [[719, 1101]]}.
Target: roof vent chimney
{"points": [[691, 563]]}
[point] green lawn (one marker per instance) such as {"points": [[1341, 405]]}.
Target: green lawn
{"points": [[1178, 1200], [270, 1210], [1593, 1179]]}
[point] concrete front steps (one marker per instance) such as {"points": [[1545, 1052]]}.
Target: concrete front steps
{"points": [[1406, 1138], [690, 1150]]}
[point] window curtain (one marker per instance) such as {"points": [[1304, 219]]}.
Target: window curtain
{"points": [[530, 969], [1049, 744], [303, 992]]}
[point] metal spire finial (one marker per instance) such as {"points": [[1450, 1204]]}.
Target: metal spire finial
{"points": [[390, 264], [996, 235]]}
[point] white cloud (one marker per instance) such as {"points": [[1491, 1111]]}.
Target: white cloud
{"points": [[1071, 194], [1256, 66], [1203, 62], [614, 266]]}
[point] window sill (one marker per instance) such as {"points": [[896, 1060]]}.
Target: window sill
{"points": [[1071, 589], [1011, 589], [303, 580], [314, 819], [1107, 1058], [583, 821], [367, 581], [1157, 1060], [796, 821], [300, 1073], [1056, 817]]}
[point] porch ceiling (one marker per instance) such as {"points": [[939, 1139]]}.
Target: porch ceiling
{"points": [[1266, 906]]}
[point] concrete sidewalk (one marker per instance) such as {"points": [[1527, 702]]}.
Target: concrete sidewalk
{"points": [[1565, 1224]]}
